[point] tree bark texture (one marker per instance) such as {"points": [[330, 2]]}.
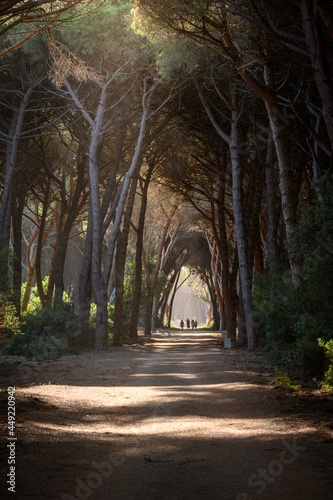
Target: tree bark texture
{"points": [[11, 159], [120, 262], [237, 195]]}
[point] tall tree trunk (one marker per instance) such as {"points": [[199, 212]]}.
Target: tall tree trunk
{"points": [[11, 159], [40, 242], [271, 207], [138, 257], [64, 231], [120, 262], [254, 224], [19, 196], [286, 188], [237, 195], [100, 281]]}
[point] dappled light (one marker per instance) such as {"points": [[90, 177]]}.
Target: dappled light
{"points": [[181, 406]]}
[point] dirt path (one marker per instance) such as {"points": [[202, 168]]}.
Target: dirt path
{"points": [[179, 418]]}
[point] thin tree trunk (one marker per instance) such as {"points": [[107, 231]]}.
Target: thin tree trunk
{"points": [[17, 214], [173, 298], [271, 207], [40, 242], [11, 159]]}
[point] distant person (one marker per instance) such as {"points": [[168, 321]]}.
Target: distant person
{"points": [[188, 323], [192, 323], [182, 324], [195, 324]]}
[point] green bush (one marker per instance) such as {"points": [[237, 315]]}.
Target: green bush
{"points": [[293, 316], [34, 300], [212, 326], [284, 380], [47, 333], [9, 322], [327, 383], [38, 347]]}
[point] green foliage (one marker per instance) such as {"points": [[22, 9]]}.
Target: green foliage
{"points": [[284, 380], [38, 347], [47, 333], [212, 325], [49, 321], [327, 383], [9, 322], [7, 258], [174, 53], [293, 315], [105, 35], [35, 304]]}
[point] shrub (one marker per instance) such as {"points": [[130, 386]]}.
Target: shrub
{"points": [[327, 383], [9, 322], [293, 315], [38, 347], [34, 300], [48, 333], [284, 380]]}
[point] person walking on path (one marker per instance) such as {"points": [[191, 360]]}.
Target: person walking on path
{"points": [[188, 323], [182, 324]]}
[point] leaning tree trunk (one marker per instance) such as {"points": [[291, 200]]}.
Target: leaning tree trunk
{"points": [[286, 188]]}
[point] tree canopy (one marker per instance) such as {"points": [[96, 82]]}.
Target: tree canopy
{"points": [[142, 138]]}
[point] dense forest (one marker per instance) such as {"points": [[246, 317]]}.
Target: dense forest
{"points": [[149, 144]]}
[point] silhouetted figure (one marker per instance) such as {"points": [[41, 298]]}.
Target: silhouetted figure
{"points": [[192, 323], [195, 324], [182, 324], [188, 323]]}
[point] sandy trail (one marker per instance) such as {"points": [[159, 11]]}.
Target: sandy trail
{"points": [[179, 418]]}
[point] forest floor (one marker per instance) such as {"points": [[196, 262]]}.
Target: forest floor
{"points": [[175, 418]]}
